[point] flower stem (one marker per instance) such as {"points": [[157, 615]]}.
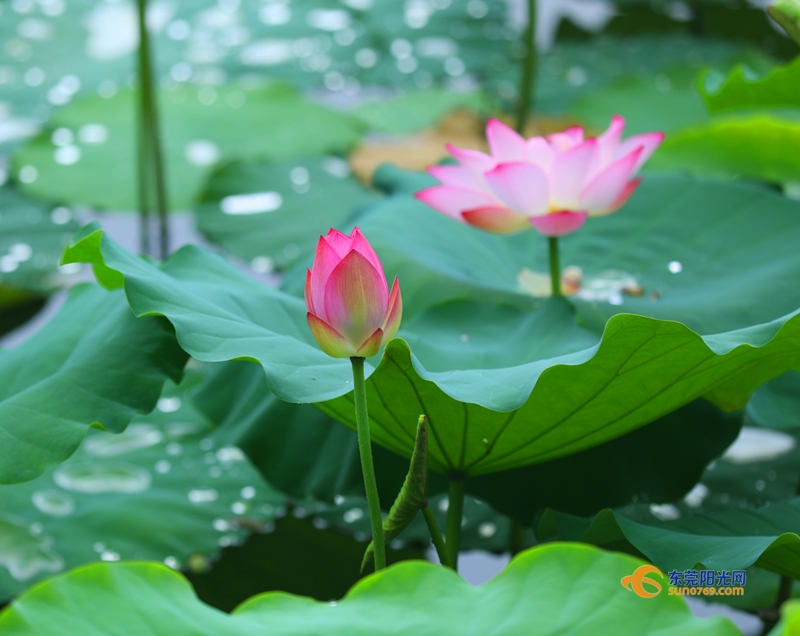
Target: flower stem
{"points": [[152, 161], [455, 513], [367, 467], [142, 184], [528, 79], [436, 536], [555, 266], [784, 591]]}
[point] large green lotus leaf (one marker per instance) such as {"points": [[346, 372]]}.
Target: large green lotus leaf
{"points": [[790, 620], [165, 489], [32, 238], [94, 364], [567, 589], [777, 403], [575, 68], [272, 214], [735, 22], [659, 462], [759, 471], [740, 89], [730, 540], [269, 122], [507, 412], [750, 146], [306, 454], [695, 246], [605, 402]]}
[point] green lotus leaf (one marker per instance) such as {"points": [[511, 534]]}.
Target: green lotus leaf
{"points": [[659, 462], [760, 469], [269, 122], [740, 90], [754, 146], [730, 540], [93, 365], [272, 214], [505, 413], [567, 589], [694, 247], [790, 620], [775, 405], [309, 456], [576, 68], [742, 498], [315, 460], [165, 489], [481, 438], [32, 239]]}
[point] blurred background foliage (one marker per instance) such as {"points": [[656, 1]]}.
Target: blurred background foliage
{"points": [[276, 115]]}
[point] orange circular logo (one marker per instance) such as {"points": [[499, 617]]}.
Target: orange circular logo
{"points": [[636, 581]]}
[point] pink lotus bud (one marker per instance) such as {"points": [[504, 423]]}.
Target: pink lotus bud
{"points": [[350, 310], [551, 183]]}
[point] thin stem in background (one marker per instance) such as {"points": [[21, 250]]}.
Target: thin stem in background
{"points": [[555, 266], [436, 536], [455, 513], [787, 582], [142, 152], [153, 164], [142, 183], [784, 591], [528, 80], [367, 466]]}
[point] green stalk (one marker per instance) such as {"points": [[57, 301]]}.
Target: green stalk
{"points": [[787, 582], [367, 467], [528, 79], [555, 266], [436, 536], [455, 513], [784, 591], [142, 152], [153, 162], [142, 185]]}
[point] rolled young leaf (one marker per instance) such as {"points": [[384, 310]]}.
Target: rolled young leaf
{"points": [[413, 495], [787, 14]]}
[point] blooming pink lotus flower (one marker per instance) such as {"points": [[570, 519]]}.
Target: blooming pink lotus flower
{"points": [[350, 310], [552, 183]]}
